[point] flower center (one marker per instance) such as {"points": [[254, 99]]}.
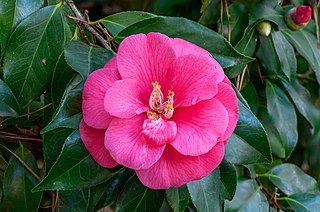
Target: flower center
{"points": [[158, 107]]}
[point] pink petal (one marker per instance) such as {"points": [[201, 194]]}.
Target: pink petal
{"points": [[199, 127], [93, 94], [183, 47], [123, 99], [174, 169], [159, 132], [146, 58], [127, 145], [226, 80], [228, 98], [93, 140], [194, 79]]}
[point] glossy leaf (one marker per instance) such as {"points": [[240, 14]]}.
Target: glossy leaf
{"points": [[211, 14], [205, 4], [62, 75], [248, 198], [286, 54], [178, 198], [291, 179], [228, 178], [106, 193], [84, 59], [74, 200], [32, 52], [12, 13], [249, 142], [246, 46], [74, 169], [183, 28], [283, 117], [206, 193], [304, 103], [304, 202], [52, 145], [68, 114], [306, 45], [18, 182], [119, 21], [8, 102], [136, 197]]}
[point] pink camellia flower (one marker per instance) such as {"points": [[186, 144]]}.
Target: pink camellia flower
{"points": [[298, 17], [162, 107]]}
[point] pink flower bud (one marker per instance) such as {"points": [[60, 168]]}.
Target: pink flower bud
{"points": [[298, 17]]}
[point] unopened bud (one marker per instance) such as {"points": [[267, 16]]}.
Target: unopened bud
{"points": [[298, 17], [264, 28]]}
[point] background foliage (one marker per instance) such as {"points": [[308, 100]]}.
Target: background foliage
{"points": [[47, 51]]}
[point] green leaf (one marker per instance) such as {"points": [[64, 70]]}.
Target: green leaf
{"points": [[191, 31], [52, 145], [249, 142], [205, 4], [74, 169], [8, 103], [12, 13], [106, 193], [33, 50], [283, 117], [304, 202], [248, 197], [228, 178], [306, 45], [84, 59], [69, 112], [74, 200], [205, 193], [211, 14], [62, 75], [18, 182], [291, 179], [136, 197], [285, 54], [178, 198], [119, 21], [304, 103], [247, 46]]}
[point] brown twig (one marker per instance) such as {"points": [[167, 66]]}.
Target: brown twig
{"points": [[78, 14], [228, 18], [23, 163], [272, 198], [33, 112], [316, 21], [21, 138], [221, 16]]}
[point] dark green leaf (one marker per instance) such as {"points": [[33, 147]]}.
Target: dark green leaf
{"points": [[249, 142], [247, 46], [211, 13], [69, 112], [12, 12], [178, 198], [283, 117], [228, 178], [52, 145], [306, 45], [205, 4], [304, 202], [74, 169], [84, 59], [106, 193], [304, 103], [248, 197], [250, 94], [191, 31], [119, 21], [8, 102], [205, 193], [32, 52], [136, 197], [291, 179], [18, 182], [75, 200], [285, 54], [62, 75]]}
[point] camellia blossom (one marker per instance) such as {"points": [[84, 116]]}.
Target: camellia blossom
{"points": [[162, 107], [298, 17]]}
